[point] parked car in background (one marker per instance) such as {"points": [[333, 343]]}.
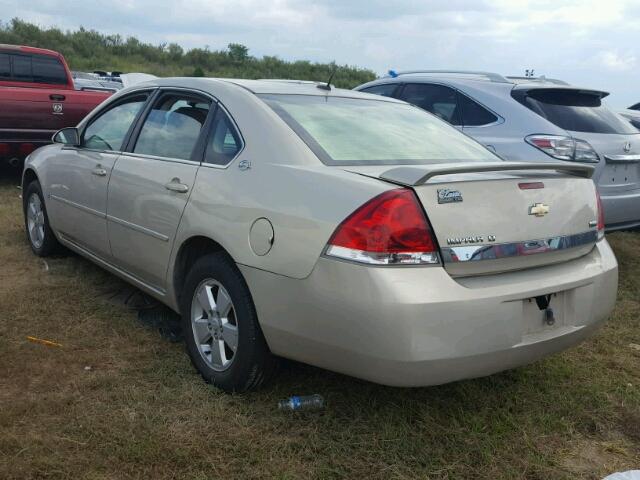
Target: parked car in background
{"points": [[327, 226], [632, 115], [92, 82], [37, 98], [534, 119]]}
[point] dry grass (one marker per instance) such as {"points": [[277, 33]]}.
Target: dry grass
{"points": [[141, 411]]}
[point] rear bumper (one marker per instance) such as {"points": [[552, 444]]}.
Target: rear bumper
{"points": [[416, 326], [621, 211]]}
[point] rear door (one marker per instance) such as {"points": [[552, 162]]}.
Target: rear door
{"points": [[151, 183]]}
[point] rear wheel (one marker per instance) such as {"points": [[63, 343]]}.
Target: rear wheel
{"points": [[41, 238], [220, 324]]}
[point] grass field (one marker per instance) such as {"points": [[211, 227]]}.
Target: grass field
{"points": [[141, 411]]}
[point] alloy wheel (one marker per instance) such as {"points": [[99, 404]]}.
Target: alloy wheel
{"points": [[214, 324], [35, 220]]}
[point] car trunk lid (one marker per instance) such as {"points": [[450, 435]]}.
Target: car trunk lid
{"points": [[495, 217]]}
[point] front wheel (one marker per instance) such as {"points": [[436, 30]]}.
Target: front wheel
{"points": [[41, 238], [224, 340]]}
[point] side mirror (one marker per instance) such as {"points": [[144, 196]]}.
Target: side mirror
{"points": [[67, 136]]}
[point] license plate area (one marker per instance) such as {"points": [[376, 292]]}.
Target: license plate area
{"points": [[535, 320], [621, 174]]}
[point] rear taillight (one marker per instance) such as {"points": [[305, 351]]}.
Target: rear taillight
{"points": [[390, 229], [564, 148], [26, 148], [600, 225]]}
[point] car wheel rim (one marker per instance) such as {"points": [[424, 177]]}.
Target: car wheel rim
{"points": [[214, 324], [35, 220]]}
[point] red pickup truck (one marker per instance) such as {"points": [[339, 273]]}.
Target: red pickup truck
{"points": [[37, 98]]}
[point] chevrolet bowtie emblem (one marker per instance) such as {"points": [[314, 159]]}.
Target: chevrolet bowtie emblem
{"points": [[539, 209]]}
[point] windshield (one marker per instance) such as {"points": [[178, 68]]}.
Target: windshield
{"points": [[354, 131], [576, 111]]}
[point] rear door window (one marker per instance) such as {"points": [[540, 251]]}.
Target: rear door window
{"points": [[440, 100], [574, 110], [386, 89], [172, 127], [474, 114]]}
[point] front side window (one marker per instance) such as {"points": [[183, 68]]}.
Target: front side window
{"points": [[440, 100], [47, 69], [356, 131], [386, 90], [108, 131], [574, 110], [224, 143], [172, 127]]}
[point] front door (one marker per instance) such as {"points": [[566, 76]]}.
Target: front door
{"points": [[150, 185], [78, 192]]}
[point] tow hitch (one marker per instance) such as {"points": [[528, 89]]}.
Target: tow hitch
{"points": [[543, 302]]}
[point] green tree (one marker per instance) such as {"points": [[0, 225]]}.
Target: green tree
{"points": [[91, 50], [238, 52]]}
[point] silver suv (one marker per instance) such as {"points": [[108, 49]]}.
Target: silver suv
{"points": [[533, 119]]}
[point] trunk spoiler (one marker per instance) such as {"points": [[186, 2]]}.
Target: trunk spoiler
{"points": [[412, 176]]}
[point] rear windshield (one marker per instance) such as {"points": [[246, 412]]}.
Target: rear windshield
{"points": [[575, 111], [353, 131]]}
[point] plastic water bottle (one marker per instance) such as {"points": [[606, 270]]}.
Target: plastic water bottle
{"points": [[307, 402]]}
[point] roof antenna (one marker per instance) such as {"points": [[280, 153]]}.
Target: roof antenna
{"points": [[327, 86]]}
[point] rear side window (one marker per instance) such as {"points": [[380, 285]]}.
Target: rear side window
{"points": [[440, 100], [386, 90], [172, 127], [32, 69], [635, 107], [108, 130], [474, 114], [224, 143], [574, 110]]}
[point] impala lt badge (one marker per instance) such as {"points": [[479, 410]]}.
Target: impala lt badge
{"points": [[446, 195], [539, 209]]}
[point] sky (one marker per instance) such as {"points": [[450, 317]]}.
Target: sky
{"points": [[592, 44]]}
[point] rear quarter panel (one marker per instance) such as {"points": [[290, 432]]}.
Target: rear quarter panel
{"points": [[302, 198]]}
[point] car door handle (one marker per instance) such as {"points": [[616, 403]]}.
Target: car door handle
{"points": [[99, 171], [56, 97], [175, 186]]}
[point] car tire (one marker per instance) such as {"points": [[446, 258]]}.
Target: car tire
{"points": [[41, 238], [209, 324]]}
